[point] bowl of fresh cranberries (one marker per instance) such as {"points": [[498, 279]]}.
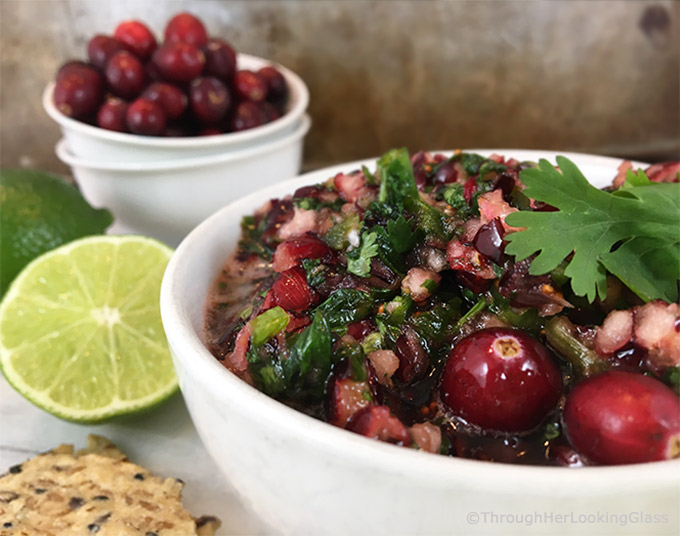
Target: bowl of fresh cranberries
{"points": [[363, 350], [137, 98]]}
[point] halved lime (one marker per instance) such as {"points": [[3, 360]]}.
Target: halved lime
{"points": [[80, 329]]}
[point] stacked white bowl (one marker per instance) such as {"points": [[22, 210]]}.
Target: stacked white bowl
{"points": [[163, 187]]}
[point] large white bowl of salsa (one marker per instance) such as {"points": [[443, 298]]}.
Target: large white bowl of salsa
{"points": [[304, 476]]}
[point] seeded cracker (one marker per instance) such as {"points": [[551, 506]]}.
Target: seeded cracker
{"points": [[94, 491]]}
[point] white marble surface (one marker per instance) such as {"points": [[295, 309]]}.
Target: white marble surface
{"points": [[163, 440]]}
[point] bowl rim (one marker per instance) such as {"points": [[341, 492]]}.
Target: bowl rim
{"points": [[243, 153], [438, 470], [299, 101]]}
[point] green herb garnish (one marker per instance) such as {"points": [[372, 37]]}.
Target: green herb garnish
{"points": [[359, 259], [633, 233]]}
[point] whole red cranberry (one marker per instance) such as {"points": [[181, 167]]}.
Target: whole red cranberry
{"points": [[101, 49], [125, 75], [250, 86], [209, 98], [209, 131], [78, 91], [112, 115], [152, 72], [277, 88], [270, 111], [137, 38], [501, 379], [176, 130], [70, 67], [220, 59], [179, 62], [246, 115], [623, 417], [186, 28], [145, 117], [171, 98]]}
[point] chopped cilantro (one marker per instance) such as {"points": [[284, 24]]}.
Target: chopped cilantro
{"points": [[371, 179], [633, 233], [339, 236], [490, 168], [552, 430], [359, 259], [345, 306], [397, 182], [354, 354], [309, 360], [313, 203], [439, 323], [672, 377], [250, 238], [474, 310], [401, 234], [430, 285], [470, 162], [399, 310], [315, 271], [453, 195]]}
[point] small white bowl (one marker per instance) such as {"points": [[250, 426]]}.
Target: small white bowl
{"points": [[304, 476], [166, 200], [101, 145]]}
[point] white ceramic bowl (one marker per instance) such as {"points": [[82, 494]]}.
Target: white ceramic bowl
{"points": [[168, 199], [98, 144], [303, 476]]}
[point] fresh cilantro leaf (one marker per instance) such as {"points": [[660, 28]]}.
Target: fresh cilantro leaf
{"points": [[338, 236], [470, 162], [430, 220], [371, 179], [345, 306], [401, 234], [309, 361], [398, 310], [439, 323], [632, 233], [491, 166], [397, 181], [359, 259], [635, 179], [398, 191], [386, 250], [354, 354], [672, 378], [301, 375], [315, 272], [307, 203], [552, 430], [476, 308], [454, 196], [266, 369], [251, 234]]}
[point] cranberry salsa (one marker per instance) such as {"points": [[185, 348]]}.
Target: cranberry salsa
{"points": [[472, 306]]}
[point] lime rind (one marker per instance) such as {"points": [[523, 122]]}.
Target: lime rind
{"points": [[93, 348]]}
